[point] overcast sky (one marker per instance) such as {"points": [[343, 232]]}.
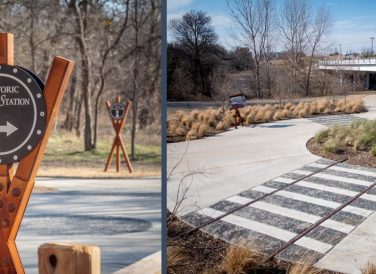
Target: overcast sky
{"points": [[354, 21]]}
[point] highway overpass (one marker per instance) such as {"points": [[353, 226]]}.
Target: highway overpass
{"points": [[366, 66]]}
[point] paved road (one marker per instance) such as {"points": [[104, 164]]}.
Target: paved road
{"points": [[236, 166], [120, 216]]}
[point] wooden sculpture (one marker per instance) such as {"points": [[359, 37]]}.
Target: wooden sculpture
{"points": [[16, 185], [237, 101], [118, 113]]}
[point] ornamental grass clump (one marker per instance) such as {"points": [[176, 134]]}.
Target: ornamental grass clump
{"points": [[217, 120], [360, 136]]}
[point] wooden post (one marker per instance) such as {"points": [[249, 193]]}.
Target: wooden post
{"points": [[6, 49], [72, 259], [238, 119], [118, 144], [15, 190]]}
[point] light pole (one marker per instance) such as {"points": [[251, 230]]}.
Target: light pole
{"points": [[372, 44]]}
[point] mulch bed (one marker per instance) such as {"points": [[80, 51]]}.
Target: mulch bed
{"points": [[197, 252], [361, 158]]}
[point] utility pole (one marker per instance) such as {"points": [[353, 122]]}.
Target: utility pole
{"points": [[340, 51], [372, 44]]}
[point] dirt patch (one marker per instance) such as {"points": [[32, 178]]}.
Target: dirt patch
{"points": [[194, 253], [361, 158]]}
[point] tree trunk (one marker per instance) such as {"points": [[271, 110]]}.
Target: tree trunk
{"points": [[135, 84], [70, 117], [85, 72]]}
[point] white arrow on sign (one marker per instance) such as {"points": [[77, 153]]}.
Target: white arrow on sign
{"points": [[8, 129]]}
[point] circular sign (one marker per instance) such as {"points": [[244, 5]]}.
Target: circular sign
{"points": [[22, 113], [117, 111]]}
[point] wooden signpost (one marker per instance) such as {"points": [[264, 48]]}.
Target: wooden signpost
{"points": [[237, 101], [28, 111], [118, 114]]}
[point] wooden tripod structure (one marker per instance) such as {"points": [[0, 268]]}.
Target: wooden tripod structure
{"points": [[16, 186], [238, 119], [118, 144]]}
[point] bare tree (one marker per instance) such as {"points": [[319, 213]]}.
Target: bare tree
{"points": [[253, 17], [321, 25], [104, 69], [195, 35], [81, 13], [294, 26], [99, 35]]}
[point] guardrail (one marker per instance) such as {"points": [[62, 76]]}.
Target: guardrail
{"points": [[370, 61]]}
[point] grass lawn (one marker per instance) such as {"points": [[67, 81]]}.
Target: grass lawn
{"points": [[66, 157]]}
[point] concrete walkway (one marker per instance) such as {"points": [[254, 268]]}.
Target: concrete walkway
{"points": [[232, 162], [151, 264], [121, 216]]}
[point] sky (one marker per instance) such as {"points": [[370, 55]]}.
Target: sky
{"points": [[354, 21]]}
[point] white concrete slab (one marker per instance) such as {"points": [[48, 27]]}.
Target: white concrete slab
{"points": [[269, 230], [355, 251], [151, 264]]}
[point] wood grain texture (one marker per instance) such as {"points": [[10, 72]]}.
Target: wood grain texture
{"points": [[56, 258], [6, 49]]}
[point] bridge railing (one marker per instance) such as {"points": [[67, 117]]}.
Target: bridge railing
{"points": [[369, 61]]}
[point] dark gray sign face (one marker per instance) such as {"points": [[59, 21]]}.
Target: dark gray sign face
{"points": [[22, 113], [117, 111]]}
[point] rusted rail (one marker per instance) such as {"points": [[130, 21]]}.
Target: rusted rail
{"points": [[313, 226]]}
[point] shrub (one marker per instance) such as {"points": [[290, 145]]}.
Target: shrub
{"points": [[191, 135], [333, 146], [180, 131], [179, 114], [239, 260], [218, 119], [203, 117], [195, 113], [268, 116], [287, 113], [278, 115], [323, 105], [338, 132], [202, 130], [321, 136], [304, 112], [304, 268], [250, 118], [186, 121], [288, 106], [373, 150]]}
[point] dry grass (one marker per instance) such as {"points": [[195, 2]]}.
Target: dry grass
{"points": [[370, 268], [240, 260], [65, 157], [199, 252], [360, 136], [197, 124], [304, 268]]}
